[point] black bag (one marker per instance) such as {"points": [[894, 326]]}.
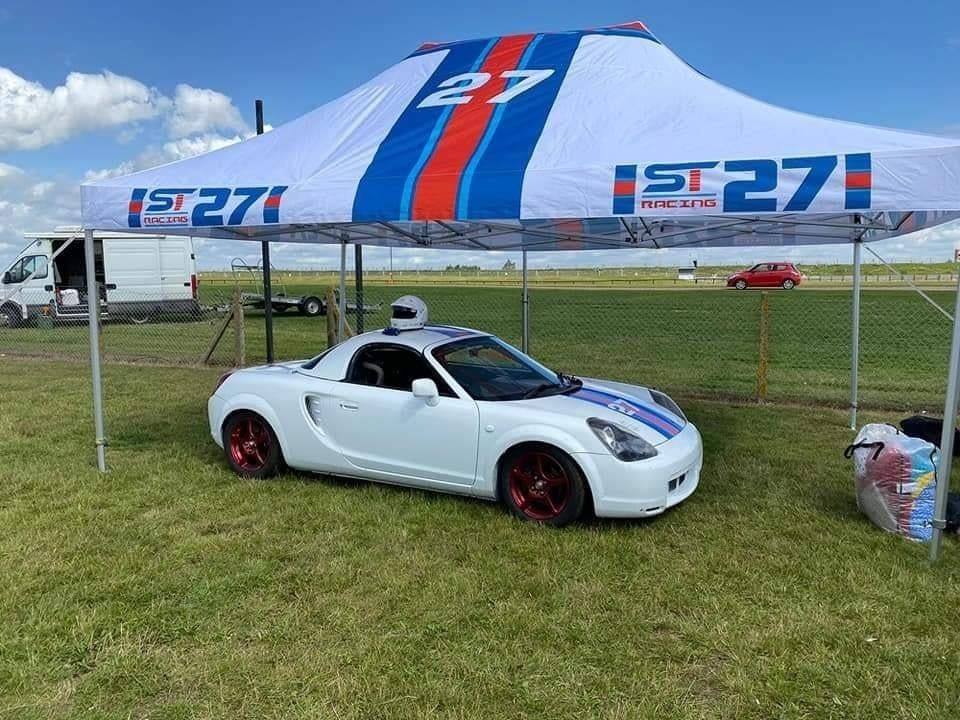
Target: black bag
{"points": [[953, 513], [930, 429]]}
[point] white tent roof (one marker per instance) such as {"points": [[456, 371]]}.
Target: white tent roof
{"points": [[589, 139]]}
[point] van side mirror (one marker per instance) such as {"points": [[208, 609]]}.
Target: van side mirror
{"points": [[426, 389], [6, 278]]}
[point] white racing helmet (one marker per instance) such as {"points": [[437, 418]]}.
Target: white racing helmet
{"points": [[408, 313]]}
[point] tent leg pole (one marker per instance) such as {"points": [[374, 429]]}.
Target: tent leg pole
{"points": [[855, 336], [267, 298], [358, 280], [525, 314], [93, 320], [265, 261], [946, 438], [342, 301]]}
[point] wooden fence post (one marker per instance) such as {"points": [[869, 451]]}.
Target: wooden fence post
{"points": [[239, 331], [764, 359]]}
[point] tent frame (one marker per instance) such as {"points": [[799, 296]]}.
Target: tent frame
{"points": [[439, 233]]}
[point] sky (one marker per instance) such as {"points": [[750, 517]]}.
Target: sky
{"points": [[98, 88]]}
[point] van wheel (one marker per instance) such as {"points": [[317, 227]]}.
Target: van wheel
{"points": [[9, 317]]}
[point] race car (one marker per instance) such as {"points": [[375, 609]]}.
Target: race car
{"points": [[460, 411]]}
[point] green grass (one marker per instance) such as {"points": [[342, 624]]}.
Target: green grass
{"points": [[703, 342], [641, 276], [172, 589]]}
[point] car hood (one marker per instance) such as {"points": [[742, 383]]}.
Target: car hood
{"points": [[630, 406]]}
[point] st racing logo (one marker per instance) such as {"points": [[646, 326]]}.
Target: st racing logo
{"points": [[745, 186], [204, 207]]}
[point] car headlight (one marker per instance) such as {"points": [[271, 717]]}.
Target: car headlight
{"points": [[622, 444]]}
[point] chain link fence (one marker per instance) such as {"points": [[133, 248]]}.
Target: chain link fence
{"points": [[689, 338]]}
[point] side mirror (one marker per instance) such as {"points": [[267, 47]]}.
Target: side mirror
{"points": [[426, 389], [6, 278]]}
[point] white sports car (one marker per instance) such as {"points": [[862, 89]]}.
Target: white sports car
{"points": [[460, 411]]}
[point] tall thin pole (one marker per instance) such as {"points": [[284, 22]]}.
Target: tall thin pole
{"points": [[525, 314], [855, 335], [265, 262], [342, 300], [946, 438], [358, 279], [93, 315]]}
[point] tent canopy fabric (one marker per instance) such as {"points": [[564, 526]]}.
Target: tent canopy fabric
{"points": [[590, 139]]}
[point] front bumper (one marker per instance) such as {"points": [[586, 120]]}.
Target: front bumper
{"points": [[645, 487]]}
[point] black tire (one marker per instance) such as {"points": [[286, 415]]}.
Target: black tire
{"points": [[529, 480], [740, 285], [789, 284], [10, 317], [311, 306], [251, 446]]}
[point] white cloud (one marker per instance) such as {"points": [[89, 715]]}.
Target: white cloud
{"points": [[32, 116], [197, 111], [179, 149]]}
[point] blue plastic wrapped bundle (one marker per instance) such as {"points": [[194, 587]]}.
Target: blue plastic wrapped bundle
{"points": [[895, 480]]}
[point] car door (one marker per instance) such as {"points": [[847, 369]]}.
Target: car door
{"points": [[380, 426], [765, 276], [28, 279]]}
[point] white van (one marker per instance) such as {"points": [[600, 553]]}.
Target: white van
{"points": [[140, 277]]}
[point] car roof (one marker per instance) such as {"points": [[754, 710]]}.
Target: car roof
{"points": [[333, 365]]}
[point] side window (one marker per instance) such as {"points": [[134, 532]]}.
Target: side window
{"points": [[393, 367], [33, 266]]}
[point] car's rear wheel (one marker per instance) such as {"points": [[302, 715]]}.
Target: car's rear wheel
{"points": [[541, 484], [741, 285], [251, 445], [788, 284]]}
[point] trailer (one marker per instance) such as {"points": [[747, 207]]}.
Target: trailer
{"points": [[280, 301]]}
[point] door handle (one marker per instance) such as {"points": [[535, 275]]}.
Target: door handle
{"points": [[346, 405], [48, 288]]}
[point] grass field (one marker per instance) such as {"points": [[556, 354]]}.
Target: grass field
{"points": [[172, 589], [704, 342], [636, 277]]}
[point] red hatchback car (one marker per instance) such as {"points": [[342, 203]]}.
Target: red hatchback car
{"points": [[780, 274]]}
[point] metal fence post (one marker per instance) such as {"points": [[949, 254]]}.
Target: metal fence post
{"points": [[93, 319], [358, 280], [855, 336], [342, 301], [525, 314], [764, 359]]}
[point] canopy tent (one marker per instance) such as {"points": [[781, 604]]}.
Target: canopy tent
{"points": [[594, 139]]}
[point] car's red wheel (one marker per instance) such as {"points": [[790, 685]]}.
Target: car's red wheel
{"points": [[542, 484], [251, 446]]}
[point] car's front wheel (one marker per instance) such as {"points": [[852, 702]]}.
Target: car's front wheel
{"points": [[251, 445], [741, 285], [542, 484], [788, 284]]}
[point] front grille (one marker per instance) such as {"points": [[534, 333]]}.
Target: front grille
{"points": [[676, 482]]}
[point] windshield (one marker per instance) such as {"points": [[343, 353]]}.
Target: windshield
{"points": [[490, 369]]}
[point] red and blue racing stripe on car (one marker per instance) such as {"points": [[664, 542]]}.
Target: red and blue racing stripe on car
{"points": [[663, 423]]}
